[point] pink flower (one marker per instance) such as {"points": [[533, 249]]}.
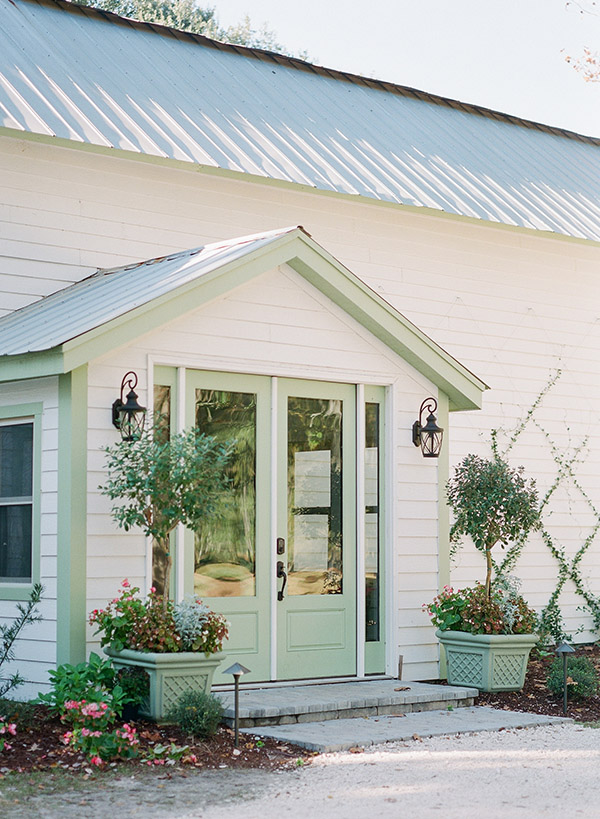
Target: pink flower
{"points": [[126, 584], [153, 589], [95, 760]]}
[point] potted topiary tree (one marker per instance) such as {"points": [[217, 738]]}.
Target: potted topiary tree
{"points": [[487, 630], [157, 483]]}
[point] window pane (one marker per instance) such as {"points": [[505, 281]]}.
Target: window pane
{"points": [[16, 460], [15, 543], [225, 547], [314, 496], [162, 419], [372, 522]]}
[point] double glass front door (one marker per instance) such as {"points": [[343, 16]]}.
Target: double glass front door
{"points": [[279, 557]]}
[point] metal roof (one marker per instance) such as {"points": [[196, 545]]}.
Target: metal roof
{"points": [[90, 77], [107, 294]]}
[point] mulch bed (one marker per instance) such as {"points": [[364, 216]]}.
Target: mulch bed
{"points": [[536, 698], [39, 747]]}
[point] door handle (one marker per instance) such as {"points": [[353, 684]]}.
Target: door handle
{"points": [[281, 572]]}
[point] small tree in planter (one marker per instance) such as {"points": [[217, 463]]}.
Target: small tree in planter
{"points": [[157, 483], [161, 482], [488, 632], [492, 503]]}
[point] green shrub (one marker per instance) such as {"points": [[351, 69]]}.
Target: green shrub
{"points": [[21, 713], [135, 683], [197, 713], [93, 681], [582, 678]]}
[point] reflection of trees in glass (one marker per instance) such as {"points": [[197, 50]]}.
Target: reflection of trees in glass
{"points": [[315, 425], [230, 417], [162, 430], [372, 520]]}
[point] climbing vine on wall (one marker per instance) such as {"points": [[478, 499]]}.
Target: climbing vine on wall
{"points": [[569, 568]]}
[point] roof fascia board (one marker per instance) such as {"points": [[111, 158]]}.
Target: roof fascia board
{"points": [[462, 387], [303, 255], [138, 322], [31, 365], [241, 176], [309, 260]]}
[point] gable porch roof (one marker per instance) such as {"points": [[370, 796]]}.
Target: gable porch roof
{"points": [[112, 307]]}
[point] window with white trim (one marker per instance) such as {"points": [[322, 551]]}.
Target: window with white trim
{"points": [[16, 501]]}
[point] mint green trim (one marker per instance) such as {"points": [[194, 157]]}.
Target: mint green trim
{"points": [[31, 365], [399, 334], [300, 612], [167, 377], [72, 516], [324, 272], [375, 650], [21, 413], [443, 467]]}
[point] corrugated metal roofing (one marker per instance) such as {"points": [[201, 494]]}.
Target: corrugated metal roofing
{"points": [[83, 75], [107, 294]]}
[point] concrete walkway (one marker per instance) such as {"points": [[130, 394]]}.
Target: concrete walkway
{"points": [[342, 734]]}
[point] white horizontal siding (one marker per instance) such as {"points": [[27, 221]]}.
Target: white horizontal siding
{"points": [[35, 650], [511, 305], [216, 337]]}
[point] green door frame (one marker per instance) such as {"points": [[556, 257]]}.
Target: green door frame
{"points": [[256, 618]]}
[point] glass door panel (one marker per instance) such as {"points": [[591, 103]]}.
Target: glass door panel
{"points": [[225, 546], [373, 522], [314, 471], [316, 611], [228, 561]]}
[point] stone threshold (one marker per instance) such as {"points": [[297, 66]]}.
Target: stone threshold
{"points": [[347, 700]]}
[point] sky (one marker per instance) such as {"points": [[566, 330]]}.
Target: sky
{"points": [[508, 55]]}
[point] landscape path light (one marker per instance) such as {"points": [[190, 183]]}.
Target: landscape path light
{"points": [[563, 650], [237, 669]]}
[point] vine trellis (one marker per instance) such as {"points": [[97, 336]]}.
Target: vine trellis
{"points": [[569, 568]]}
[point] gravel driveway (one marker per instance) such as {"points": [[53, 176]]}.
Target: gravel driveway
{"points": [[538, 772]]}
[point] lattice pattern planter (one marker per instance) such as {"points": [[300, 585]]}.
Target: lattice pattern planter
{"points": [[171, 675], [490, 662]]}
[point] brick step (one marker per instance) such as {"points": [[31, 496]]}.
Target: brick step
{"points": [[291, 704]]}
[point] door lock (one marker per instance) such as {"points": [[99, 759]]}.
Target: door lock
{"points": [[281, 572], [280, 545]]}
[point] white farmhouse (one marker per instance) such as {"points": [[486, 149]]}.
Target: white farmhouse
{"points": [[294, 258]]}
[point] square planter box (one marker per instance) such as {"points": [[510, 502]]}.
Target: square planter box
{"points": [[171, 675], [490, 662]]}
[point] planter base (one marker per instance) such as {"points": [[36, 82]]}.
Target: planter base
{"points": [[171, 675], [489, 662]]}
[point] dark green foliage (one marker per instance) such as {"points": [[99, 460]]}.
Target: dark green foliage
{"points": [[160, 482], [135, 684], [94, 681], [197, 713], [21, 713], [582, 678], [492, 503], [27, 614]]}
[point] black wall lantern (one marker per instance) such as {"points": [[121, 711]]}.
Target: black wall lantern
{"points": [[129, 417], [428, 437]]}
